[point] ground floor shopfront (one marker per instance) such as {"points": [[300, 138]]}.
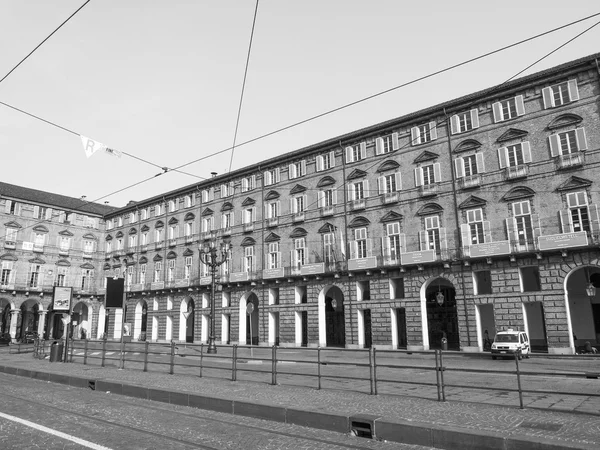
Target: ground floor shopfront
{"points": [[417, 309]]}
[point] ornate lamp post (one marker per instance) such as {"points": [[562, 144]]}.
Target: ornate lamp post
{"points": [[213, 257]]}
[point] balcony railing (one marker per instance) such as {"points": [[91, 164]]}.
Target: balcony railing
{"points": [[570, 160], [143, 248], [470, 181], [391, 197], [298, 217], [88, 255], [520, 171], [63, 251], [248, 227], [172, 242], [524, 245], [356, 205], [429, 189], [10, 244], [272, 221], [177, 283], [156, 285], [189, 239], [136, 287], [158, 245], [225, 232], [327, 210], [39, 248]]}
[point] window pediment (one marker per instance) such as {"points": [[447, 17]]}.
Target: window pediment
{"points": [[357, 173], [326, 181], [298, 233], [173, 221], [108, 238], [37, 261], [157, 257], [388, 166], [425, 156], [187, 252], [143, 260], [518, 193], [65, 233], [207, 212], [565, 120], [119, 234], [391, 216], [472, 202], [90, 236], [105, 267], [574, 183], [227, 206], [89, 266], [189, 216], [248, 202], [467, 145], [8, 257], [159, 224], [40, 229], [63, 263], [272, 237], [171, 255], [272, 195], [326, 228], [297, 189], [132, 231], [429, 209], [359, 221], [12, 224], [512, 134], [247, 242], [145, 228]]}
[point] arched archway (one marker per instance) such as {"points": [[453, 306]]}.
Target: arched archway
{"points": [[442, 315], [29, 318], [5, 308], [82, 321], [332, 320], [582, 302], [140, 321], [249, 323], [186, 320]]}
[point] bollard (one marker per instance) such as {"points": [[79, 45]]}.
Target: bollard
{"points": [[234, 363], [201, 358], [517, 354], [171, 371], [319, 367], [274, 366], [103, 352], [146, 345]]}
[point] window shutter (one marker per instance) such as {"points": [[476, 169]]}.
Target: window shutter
{"points": [[594, 219], [465, 235], [366, 188], [402, 243], [423, 240], [319, 161], [279, 212], [418, 176], [244, 184], [253, 182], [480, 162], [378, 146], [573, 91], [443, 241], [369, 247], [520, 105], [7, 205], [433, 130], [459, 167], [305, 201], [503, 157], [537, 229], [475, 117], [222, 220], [49, 214], [511, 230], [292, 171], [349, 155], [266, 178], [526, 148], [548, 97], [395, 144], [385, 246], [554, 144], [267, 211], [334, 196], [223, 190], [350, 192], [353, 249], [497, 110], [398, 181], [321, 199], [487, 231], [566, 221], [293, 206], [36, 211], [332, 158], [437, 172], [415, 136], [277, 176], [381, 185], [302, 168], [454, 124], [581, 140], [363, 150]]}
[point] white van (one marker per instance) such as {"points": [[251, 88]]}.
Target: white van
{"points": [[509, 342]]}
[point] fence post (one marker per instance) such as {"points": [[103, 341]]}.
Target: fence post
{"points": [[122, 356], [103, 351], [319, 367], [234, 364], [519, 379], [201, 358], [375, 369], [146, 346], [274, 366], [85, 351], [437, 376], [442, 375], [371, 369], [172, 357], [72, 350]]}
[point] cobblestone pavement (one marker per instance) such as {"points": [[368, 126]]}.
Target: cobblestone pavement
{"points": [[563, 429]]}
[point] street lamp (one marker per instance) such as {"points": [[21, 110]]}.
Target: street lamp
{"points": [[213, 257]]}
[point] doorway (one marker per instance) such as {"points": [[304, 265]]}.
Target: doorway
{"points": [[335, 324], [252, 330], [536, 326], [442, 316], [401, 328]]}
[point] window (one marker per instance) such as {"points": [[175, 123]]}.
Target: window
{"points": [[173, 205], [35, 276], [470, 165], [460, 123], [157, 271], [274, 256], [157, 210], [579, 216], [207, 195], [514, 155], [207, 224], [87, 279], [329, 248], [173, 231], [132, 241], [108, 246], [142, 273], [40, 212], [561, 93], [129, 276], [298, 204], [144, 213], [386, 144], [187, 270], [508, 109], [227, 189], [327, 198], [39, 239], [248, 183], [356, 152], [389, 183], [133, 217], [477, 227], [158, 235], [530, 279], [64, 242], [6, 276], [520, 226], [144, 238], [188, 201], [272, 209], [89, 246], [249, 215], [227, 220], [297, 169], [427, 175], [430, 238], [189, 228], [326, 161], [391, 247], [568, 142], [358, 191], [361, 246], [423, 133], [11, 237], [120, 243], [13, 208], [483, 282], [248, 262], [171, 270], [271, 177], [299, 252]]}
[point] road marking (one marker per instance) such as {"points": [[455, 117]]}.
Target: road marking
{"points": [[54, 432]]}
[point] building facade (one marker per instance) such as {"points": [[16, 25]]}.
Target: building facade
{"points": [[48, 240], [472, 216]]}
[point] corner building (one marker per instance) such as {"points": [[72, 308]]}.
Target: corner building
{"points": [[472, 216]]}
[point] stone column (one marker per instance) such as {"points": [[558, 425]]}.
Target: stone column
{"points": [[41, 323], [14, 320]]}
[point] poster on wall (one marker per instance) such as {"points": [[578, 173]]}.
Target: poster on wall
{"points": [[62, 298]]}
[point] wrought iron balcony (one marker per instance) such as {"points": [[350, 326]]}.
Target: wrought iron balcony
{"points": [[471, 181], [571, 160], [391, 197], [520, 171]]}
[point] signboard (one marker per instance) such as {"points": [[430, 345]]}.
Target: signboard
{"points": [[417, 257], [238, 276], [115, 287], [489, 249], [62, 298], [204, 281], [27, 245], [127, 329], [312, 269], [250, 308], [362, 263], [564, 240], [273, 273]]}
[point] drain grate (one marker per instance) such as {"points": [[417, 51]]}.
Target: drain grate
{"points": [[92, 385], [361, 429], [541, 426]]}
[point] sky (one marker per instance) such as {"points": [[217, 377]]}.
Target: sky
{"points": [[161, 80]]}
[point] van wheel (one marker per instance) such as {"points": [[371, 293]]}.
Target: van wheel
{"points": [[494, 358]]}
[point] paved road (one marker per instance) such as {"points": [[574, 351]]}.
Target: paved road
{"points": [[32, 416]]}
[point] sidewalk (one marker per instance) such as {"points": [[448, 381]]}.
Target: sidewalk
{"points": [[449, 425]]}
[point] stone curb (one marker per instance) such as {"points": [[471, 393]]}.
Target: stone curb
{"points": [[402, 431]]}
